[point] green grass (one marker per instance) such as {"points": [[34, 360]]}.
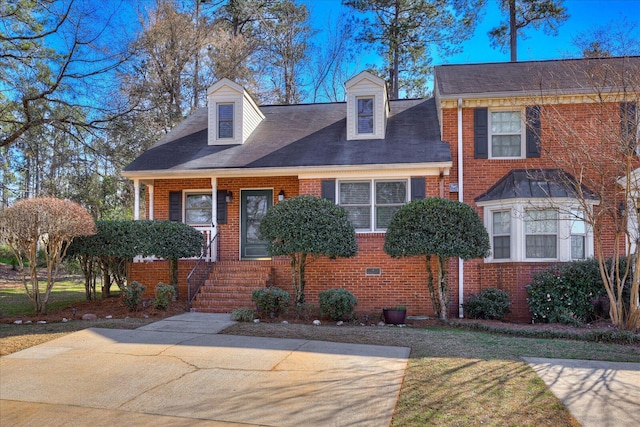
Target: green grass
{"points": [[14, 300]]}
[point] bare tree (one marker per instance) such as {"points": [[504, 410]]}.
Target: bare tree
{"points": [[55, 58], [597, 142], [620, 37], [51, 223]]}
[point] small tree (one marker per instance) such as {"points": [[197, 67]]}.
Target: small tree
{"points": [[304, 228], [49, 223], [439, 228]]}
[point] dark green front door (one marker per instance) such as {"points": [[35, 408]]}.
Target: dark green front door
{"points": [[253, 207]]}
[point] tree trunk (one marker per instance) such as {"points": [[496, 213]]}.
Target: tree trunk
{"points": [[513, 31]]}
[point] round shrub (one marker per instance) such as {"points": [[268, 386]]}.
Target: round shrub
{"points": [[132, 295], [271, 300], [164, 295], [242, 315], [566, 293], [491, 303], [337, 303]]}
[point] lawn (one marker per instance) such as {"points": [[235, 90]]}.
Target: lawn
{"points": [[14, 300]]}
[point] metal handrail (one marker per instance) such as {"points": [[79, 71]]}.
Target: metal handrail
{"points": [[190, 295]]}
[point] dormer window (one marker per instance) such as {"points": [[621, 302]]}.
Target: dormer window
{"points": [[365, 115], [225, 121]]}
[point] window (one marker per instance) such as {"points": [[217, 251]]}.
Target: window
{"points": [[370, 205], [578, 235], [501, 234], [541, 233], [506, 133], [225, 121], [197, 209], [365, 115]]}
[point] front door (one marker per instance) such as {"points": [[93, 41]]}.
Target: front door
{"points": [[253, 207]]}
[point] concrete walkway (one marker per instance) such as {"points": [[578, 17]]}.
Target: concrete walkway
{"points": [[598, 394], [178, 372]]}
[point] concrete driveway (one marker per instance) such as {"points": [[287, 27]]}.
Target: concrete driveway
{"points": [[179, 372]]}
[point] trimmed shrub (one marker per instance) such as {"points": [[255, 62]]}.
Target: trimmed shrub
{"points": [[164, 295], [566, 293], [242, 315], [491, 303], [271, 301], [132, 295], [337, 303]]}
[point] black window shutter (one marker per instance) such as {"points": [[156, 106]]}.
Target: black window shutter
{"points": [[175, 206], [481, 133], [627, 119], [533, 131], [221, 206], [329, 189], [417, 187]]}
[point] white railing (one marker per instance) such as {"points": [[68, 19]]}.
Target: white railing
{"points": [[211, 250]]}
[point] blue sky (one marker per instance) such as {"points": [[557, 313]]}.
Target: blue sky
{"points": [[583, 15]]}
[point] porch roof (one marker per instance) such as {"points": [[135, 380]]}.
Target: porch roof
{"points": [[301, 135]]}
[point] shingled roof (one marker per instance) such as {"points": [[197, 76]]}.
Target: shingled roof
{"points": [[534, 183], [301, 135], [532, 77]]}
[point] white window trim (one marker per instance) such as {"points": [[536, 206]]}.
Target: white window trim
{"points": [[518, 232], [523, 133], [372, 203], [491, 235], [190, 192], [373, 115], [233, 121]]}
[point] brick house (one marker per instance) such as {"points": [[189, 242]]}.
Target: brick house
{"points": [[480, 140]]}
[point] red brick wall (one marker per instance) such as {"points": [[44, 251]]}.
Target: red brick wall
{"points": [[481, 174], [150, 273]]}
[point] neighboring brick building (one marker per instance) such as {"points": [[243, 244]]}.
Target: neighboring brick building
{"points": [[480, 140]]}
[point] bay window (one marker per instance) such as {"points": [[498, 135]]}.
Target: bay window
{"points": [[541, 233]]}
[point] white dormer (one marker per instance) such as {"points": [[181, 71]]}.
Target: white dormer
{"points": [[367, 107], [233, 114]]}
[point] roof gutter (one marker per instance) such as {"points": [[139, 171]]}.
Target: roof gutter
{"points": [[460, 199]]}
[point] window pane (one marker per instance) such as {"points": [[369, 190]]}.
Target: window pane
{"points": [[506, 122], [502, 222], [198, 209], [384, 215], [225, 120], [544, 221], [360, 217], [355, 193], [198, 201], [541, 247], [577, 247], [501, 247], [577, 224], [365, 115], [506, 146], [391, 192]]}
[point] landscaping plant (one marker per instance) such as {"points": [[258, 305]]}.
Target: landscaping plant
{"points": [[437, 229], [271, 300], [164, 295], [491, 303], [337, 303], [304, 228], [132, 295]]}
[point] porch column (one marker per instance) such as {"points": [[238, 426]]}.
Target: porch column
{"points": [[150, 188], [214, 205], [136, 203]]}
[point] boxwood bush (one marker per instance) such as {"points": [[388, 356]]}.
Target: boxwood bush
{"points": [[337, 303], [566, 293], [271, 301], [491, 303]]}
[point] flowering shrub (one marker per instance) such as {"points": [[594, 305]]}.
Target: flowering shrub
{"points": [[565, 293]]}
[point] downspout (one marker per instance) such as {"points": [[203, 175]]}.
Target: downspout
{"points": [[150, 188], [460, 199]]}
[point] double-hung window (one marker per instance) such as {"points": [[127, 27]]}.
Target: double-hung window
{"points": [[541, 233], [506, 133], [501, 230], [365, 115], [225, 121], [371, 204], [578, 235], [198, 209]]}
